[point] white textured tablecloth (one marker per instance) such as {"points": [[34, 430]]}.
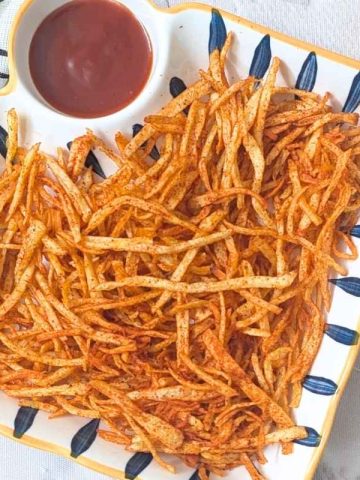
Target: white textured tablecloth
{"points": [[333, 24]]}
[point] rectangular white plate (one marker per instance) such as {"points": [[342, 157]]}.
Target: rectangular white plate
{"points": [[180, 38]]}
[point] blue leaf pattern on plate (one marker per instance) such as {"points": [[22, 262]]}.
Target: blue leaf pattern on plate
{"points": [[154, 154], [137, 464], [353, 99], [23, 421], [195, 475], [92, 162], [262, 58], [217, 31], [343, 335], [319, 385], [84, 438], [355, 231], [307, 76], [348, 284], [312, 440], [177, 86], [3, 140]]}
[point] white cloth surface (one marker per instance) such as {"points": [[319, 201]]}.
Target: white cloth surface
{"points": [[331, 24]]}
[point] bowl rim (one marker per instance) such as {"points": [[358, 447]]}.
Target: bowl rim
{"points": [[23, 28]]}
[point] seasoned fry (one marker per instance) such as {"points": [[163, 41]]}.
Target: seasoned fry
{"points": [[264, 102], [31, 241], [12, 142], [173, 393], [79, 150], [202, 287], [71, 189], [46, 392], [141, 246], [18, 291], [21, 183]]}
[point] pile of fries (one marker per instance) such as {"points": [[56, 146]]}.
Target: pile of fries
{"points": [[180, 301]]}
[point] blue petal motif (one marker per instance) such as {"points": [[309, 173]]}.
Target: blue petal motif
{"points": [[136, 128], [3, 140], [24, 420], [84, 438], [353, 100], [261, 59], [177, 86], [154, 154], [355, 231], [319, 385], [137, 464], [307, 76], [195, 475], [348, 284], [217, 31], [312, 440], [92, 162], [342, 334]]}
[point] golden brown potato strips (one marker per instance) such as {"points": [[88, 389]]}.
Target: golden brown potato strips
{"points": [[180, 301]]}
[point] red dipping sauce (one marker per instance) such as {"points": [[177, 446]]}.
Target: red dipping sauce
{"points": [[90, 58]]}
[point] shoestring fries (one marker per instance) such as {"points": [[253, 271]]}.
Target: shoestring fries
{"points": [[180, 301]]}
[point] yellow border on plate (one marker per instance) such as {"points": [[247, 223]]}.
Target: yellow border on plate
{"points": [[63, 452], [354, 350], [334, 403], [335, 57]]}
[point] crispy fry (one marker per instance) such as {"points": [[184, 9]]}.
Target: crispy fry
{"points": [[239, 376], [71, 189], [173, 393], [79, 150], [21, 184], [202, 287], [33, 237], [12, 142], [46, 391], [181, 301], [264, 102], [141, 246], [18, 292]]}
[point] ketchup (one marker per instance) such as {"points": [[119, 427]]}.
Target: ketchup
{"points": [[90, 58]]}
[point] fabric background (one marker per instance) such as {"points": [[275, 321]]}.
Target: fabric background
{"points": [[332, 24]]}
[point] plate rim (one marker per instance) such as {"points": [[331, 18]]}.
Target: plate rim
{"points": [[324, 52], [354, 350]]}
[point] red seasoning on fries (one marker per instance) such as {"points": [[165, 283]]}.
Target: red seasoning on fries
{"points": [[180, 301]]}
